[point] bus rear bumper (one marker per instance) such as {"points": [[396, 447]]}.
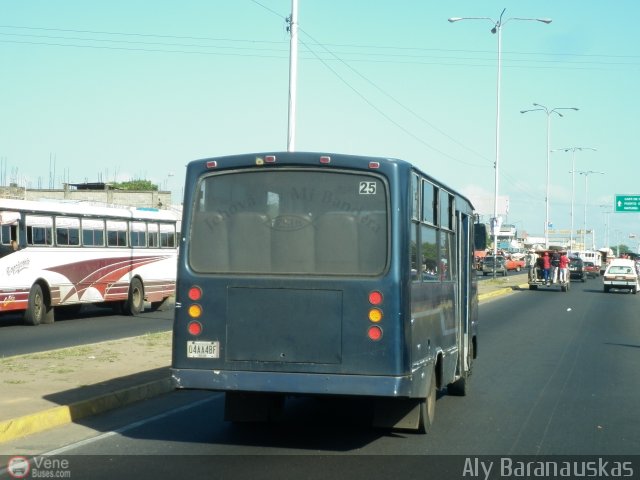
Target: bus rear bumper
{"points": [[297, 383]]}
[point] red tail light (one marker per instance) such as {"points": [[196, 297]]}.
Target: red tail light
{"points": [[375, 298], [195, 293], [194, 328], [374, 333]]}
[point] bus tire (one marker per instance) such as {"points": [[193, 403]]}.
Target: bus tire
{"points": [[428, 407], [460, 387], [134, 304], [38, 310]]}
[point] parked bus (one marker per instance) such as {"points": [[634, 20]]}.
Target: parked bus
{"points": [[312, 274], [59, 255]]}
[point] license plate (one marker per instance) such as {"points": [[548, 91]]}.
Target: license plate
{"points": [[203, 349]]}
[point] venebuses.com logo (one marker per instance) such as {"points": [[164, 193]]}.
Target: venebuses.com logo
{"points": [[38, 467]]}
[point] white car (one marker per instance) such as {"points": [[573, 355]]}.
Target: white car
{"points": [[621, 273]]}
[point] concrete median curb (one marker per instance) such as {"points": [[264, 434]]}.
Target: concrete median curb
{"points": [[64, 414], [501, 291]]}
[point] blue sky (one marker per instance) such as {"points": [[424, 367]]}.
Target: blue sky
{"points": [[125, 89]]}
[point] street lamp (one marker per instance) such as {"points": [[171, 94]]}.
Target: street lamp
{"points": [[573, 180], [586, 190], [548, 112], [607, 224], [497, 28]]}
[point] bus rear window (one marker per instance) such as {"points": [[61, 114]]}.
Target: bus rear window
{"points": [[290, 222]]}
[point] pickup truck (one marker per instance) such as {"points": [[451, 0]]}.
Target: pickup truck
{"points": [[538, 279], [492, 264], [503, 265]]}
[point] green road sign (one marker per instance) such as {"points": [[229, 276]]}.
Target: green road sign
{"points": [[627, 203]]}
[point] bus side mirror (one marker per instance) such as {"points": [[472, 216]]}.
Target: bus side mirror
{"points": [[480, 236]]}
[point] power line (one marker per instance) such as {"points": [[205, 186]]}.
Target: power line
{"points": [[135, 34], [357, 92], [409, 110], [375, 54]]}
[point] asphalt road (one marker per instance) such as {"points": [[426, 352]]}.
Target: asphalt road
{"points": [[556, 375], [90, 325]]}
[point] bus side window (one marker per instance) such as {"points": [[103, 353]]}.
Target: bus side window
{"points": [[138, 234], [92, 232], [153, 235], [116, 233], [39, 230], [429, 254], [337, 243], [250, 235], [209, 248], [167, 236], [5, 234], [67, 231]]}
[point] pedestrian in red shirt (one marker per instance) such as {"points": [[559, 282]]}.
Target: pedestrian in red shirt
{"points": [[564, 267], [546, 266]]}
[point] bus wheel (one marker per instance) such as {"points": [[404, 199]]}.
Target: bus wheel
{"points": [[135, 303], [428, 407], [460, 387], [37, 311]]}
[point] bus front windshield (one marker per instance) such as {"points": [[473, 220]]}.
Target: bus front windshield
{"points": [[290, 221]]}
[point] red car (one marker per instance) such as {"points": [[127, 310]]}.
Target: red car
{"points": [[516, 264], [592, 269]]}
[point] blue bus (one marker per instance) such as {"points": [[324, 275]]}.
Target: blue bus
{"points": [[304, 273]]}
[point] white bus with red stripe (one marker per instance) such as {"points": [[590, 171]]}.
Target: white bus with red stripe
{"points": [[60, 255]]}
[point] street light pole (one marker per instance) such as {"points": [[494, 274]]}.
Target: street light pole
{"points": [[573, 182], [607, 225], [497, 28], [293, 75], [586, 190], [548, 112]]}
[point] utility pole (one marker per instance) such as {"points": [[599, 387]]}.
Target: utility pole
{"points": [[293, 74]]}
